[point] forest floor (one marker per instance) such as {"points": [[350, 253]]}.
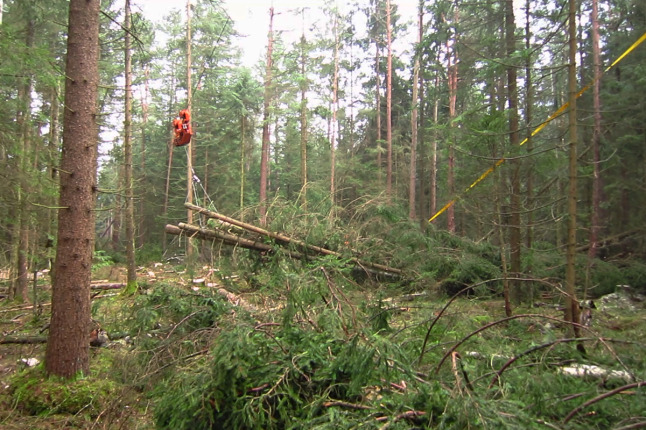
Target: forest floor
{"points": [[465, 350]]}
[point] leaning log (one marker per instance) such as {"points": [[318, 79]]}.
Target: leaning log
{"points": [[285, 240]]}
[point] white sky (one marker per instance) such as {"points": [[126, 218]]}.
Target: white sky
{"points": [[251, 18]]}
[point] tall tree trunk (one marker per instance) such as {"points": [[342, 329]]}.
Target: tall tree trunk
{"points": [[169, 163], [243, 157], [378, 96], [571, 305], [127, 149], [21, 284], [264, 153], [433, 168], [303, 121], [412, 191], [190, 148], [452, 52], [595, 217], [529, 169], [389, 101], [53, 150], [514, 140], [68, 345], [143, 226], [335, 107]]}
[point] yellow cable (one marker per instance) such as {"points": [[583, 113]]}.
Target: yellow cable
{"points": [[538, 129]]}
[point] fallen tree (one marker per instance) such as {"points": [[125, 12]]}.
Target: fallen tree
{"points": [[260, 237]]}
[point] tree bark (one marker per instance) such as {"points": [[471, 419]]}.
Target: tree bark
{"points": [[514, 140], [412, 183], [335, 107], [452, 53], [264, 152], [378, 97], [389, 101], [190, 148], [303, 121], [595, 216], [67, 352], [127, 149], [20, 287], [529, 169], [571, 305]]}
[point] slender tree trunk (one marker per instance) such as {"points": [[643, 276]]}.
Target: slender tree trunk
{"points": [[412, 191], [571, 305], [127, 147], [514, 140], [529, 169], [595, 217], [303, 121], [453, 93], [529, 104], [190, 148], [243, 157], [389, 101], [170, 158], [143, 226], [335, 106], [378, 103], [264, 153], [68, 345], [433, 168], [20, 287], [52, 150]]}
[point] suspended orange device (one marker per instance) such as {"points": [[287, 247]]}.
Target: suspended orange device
{"points": [[183, 130]]}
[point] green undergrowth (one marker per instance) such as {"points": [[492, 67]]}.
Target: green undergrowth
{"points": [[337, 354]]}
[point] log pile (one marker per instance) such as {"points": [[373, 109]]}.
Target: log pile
{"points": [[237, 233]]}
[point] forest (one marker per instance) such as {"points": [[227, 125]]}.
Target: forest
{"points": [[402, 214]]}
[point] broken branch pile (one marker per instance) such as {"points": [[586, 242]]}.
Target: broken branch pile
{"points": [[230, 232]]}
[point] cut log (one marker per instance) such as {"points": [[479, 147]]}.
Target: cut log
{"points": [[229, 239], [107, 286], [23, 340], [281, 239]]}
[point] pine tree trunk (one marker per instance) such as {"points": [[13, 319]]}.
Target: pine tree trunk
{"points": [[143, 227], [389, 101], [190, 148], [512, 91], [433, 168], [595, 216], [378, 99], [68, 345], [529, 169], [571, 305], [169, 163], [335, 106], [21, 239], [264, 153], [303, 124], [452, 52], [412, 191], [127, 149], [243, 157]]}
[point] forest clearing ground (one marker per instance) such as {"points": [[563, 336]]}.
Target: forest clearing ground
{"points": [[125, 399]]}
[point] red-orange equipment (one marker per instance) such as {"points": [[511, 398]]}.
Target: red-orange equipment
{"points": [[183, 130]]}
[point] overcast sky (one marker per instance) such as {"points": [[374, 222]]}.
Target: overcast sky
{"points": [[251, 18]]}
